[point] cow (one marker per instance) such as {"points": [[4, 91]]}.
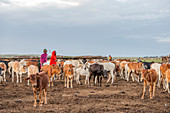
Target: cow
{"points": [[39, 83], [135, 68], [3, 70], [111, 68], [164, 68], [68, 74], [32, 69], [147, 65], [83, 72], [150, 78], [51, 70], [19, 69], [76, 64], [122, 68], [167, 73], [96, 70], [157, 66]]}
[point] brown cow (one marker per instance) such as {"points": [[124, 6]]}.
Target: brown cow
{"points": [[39, 83], [135, 67], [167, 73], [164, 68], [51, 70], [68, 73], [150, 78]]}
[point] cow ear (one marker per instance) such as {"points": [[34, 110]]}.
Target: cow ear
{"points": [[27, 78]]}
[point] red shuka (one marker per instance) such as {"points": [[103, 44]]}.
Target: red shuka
{"points": [[53, 58]]}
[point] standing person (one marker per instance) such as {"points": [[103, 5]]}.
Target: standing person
{"points": [[110, 58], [43, 58], [53, 59], [139, 60]]}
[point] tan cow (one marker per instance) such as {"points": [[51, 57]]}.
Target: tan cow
{"points": [[135, 68], [122, 68], [68, 74], [32, 70], [3, 70], [19, 69], [51, 70], [150, 78], [164, 68], [167, 73], [39, 83]]}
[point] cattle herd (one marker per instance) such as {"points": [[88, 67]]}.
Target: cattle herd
{"points": [[150, 73]]}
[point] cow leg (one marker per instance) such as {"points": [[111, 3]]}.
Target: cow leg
{"points": [[28, 80], [96, 78], [159, 79], [4, 76], [52, 84], [113, 76], [71, 80], [20, 78], [67, 82], [78, 79], [45, 92], [163, 82], [154, 84], [49, 81], [17, 77], [35, 101], [43, 96], [12, 76], [143, 90], [150, 90], [128, 74], [101, 81], [40, 103], [109, 78], [132, 75]]}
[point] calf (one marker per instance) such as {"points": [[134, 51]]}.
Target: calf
{"points": [[32, 70], [39, 83], [167, 73], [68, 73], [51, 70], [150, 78], [82, 72], [156, 66], [135, 68], [3, 70], [96, 70]]}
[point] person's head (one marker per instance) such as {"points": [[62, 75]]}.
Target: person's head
{"points": [[109, 55], [45, 50], [54, 53]]}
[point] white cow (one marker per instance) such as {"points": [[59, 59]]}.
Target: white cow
{"points": [[83, 72], [32, 70], [156, 66], [111, 68]]}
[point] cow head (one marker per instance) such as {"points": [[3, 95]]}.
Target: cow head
{"points": [[145, 74], [34, 80], [140, 66], [56, 69]]}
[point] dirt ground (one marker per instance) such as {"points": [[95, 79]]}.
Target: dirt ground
{"points": [[120, 97]]}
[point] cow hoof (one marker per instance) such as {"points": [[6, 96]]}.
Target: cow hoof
{"points": [[35, 106], [42, 102], [142, 98], [151, 98], [40, 105], [45, 103]]}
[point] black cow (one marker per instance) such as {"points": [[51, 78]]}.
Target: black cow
{"points": [[147, 65], [96, 70]]}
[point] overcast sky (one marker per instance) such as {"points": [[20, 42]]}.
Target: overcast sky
{"points": [[85, 27]]}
